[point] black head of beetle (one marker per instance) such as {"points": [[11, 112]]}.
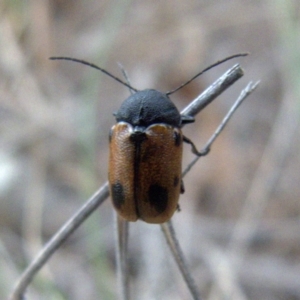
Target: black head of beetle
{"points": [[148, 107]]}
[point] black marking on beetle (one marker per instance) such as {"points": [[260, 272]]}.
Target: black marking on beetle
{"points": [[176, 180], [118, 195], [177, 138], [148, 107], [158, 197], [138, 135]]}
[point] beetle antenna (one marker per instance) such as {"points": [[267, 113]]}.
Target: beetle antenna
{"points": [[206, 69], [95, 67], [125, 75]]}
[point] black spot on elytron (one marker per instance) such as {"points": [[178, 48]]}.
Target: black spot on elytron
{"points": [[176, 181], [158, 197], [110, 134], [118, 195], [177, 138]]}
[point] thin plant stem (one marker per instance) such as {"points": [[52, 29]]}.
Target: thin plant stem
{"points": [[122, 233], [177, 253], [57, 240], [243, 95]]}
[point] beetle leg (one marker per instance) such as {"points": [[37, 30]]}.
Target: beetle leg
{"points": [[182, 190], [186, 119], [194, 149], [178, 208]]}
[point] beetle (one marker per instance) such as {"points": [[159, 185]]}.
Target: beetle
{"points": [[145, 156]]}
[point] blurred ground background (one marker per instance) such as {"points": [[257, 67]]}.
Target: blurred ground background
{"points": [[239, 223]]}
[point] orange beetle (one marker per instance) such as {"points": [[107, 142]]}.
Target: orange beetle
{"points": [[145, 157]]}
